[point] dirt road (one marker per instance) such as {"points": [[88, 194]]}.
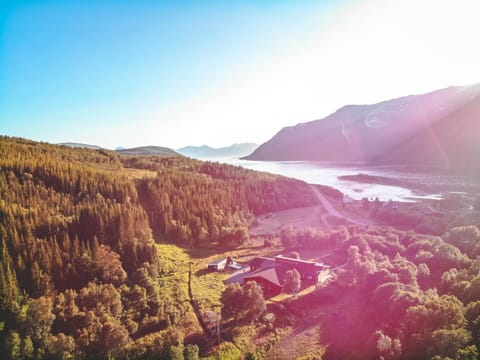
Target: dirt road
{"points": [[334, 212]]}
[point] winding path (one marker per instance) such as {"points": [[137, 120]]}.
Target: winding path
{"points": [[334, 212]]}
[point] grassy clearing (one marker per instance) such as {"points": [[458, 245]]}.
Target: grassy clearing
{"points": [[174, 260], [173, 284], [207, 286], [173, 281], [207, 289]]}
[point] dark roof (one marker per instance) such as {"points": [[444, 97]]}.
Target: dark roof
{"points": [[301, 264], [273, 274], [261, 262], [288, 260]]}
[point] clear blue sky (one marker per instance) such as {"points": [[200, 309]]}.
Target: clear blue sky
{"points": [[179, 73]]}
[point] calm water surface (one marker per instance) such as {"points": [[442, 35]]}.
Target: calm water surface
{"points": [[327, 174]]}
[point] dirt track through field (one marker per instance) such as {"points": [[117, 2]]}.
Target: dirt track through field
{"points": [[334, 212]]}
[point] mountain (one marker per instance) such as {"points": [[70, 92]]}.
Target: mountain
{"points": [[80, 145], [149, 150], [438, 128], [229, 152]]}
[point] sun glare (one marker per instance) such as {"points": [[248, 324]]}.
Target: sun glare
{"points": [[365, 52]]}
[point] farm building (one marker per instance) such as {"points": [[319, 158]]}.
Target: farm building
{"points": [[270, 278], [260, 262], [308, 269], [269, 273], [222, 264]]}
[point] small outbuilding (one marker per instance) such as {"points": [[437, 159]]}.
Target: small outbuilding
{"points": [[211, 319], [221, 264]]}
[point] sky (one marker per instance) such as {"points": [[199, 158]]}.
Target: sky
{"points": [[178, 73]]}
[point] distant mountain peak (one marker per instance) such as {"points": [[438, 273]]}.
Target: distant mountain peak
{"points": [[206, 152]]}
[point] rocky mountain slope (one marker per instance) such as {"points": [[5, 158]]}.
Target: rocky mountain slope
{"points": [[438, 128]]}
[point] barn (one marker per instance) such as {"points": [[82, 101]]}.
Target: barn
{"points": [[308, 269], [261, 262], [270, 279], [269, 273]]}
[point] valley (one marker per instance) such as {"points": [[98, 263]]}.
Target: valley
{"points": [[239, 180], [118, 268]]}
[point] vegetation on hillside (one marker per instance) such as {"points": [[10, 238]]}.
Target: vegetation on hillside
{"points": [[81, 274], [98, 264], [203, 204], [402, 295]]}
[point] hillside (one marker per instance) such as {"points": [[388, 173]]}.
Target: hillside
{"points": [[91, 260], [96, 263], [205, 152], [148, 150], [438, 128]]}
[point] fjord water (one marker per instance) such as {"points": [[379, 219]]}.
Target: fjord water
{"points": [[327, 174]]}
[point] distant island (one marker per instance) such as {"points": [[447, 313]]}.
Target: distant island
{"points": [[438, 128]]}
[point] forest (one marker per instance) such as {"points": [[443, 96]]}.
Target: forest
{"points": [[209, 204], [81, 271], [96, 254], [403, 295]]}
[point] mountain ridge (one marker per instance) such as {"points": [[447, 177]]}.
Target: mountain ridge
{"points": [[207, 152], [80, 145], [414, 129], [148, 150]]}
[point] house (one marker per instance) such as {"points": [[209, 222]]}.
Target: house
{"points": [[269, 273], [308, 269]]}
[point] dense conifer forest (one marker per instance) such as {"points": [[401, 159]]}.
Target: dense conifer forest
{"points": [[81, 274]]}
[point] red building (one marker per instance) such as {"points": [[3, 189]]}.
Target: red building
{"points": [[269, 273]]}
